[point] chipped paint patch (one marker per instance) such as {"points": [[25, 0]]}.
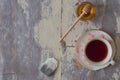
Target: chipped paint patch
{"points": [[118, 22], [46, 31], [24, 6], [46, 9], [115, 76]]}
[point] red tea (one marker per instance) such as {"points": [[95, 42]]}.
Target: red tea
{"points": [[96, 50]]}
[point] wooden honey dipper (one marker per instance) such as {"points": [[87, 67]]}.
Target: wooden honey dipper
{"points": [[85, 10]]}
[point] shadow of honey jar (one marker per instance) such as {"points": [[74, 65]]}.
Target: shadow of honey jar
{"points": [[88, 16]]}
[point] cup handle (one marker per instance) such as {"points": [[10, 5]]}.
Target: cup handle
{"points": [[112, 62]]}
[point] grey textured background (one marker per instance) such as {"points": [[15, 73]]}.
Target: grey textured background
{"points": [[21, 53]]}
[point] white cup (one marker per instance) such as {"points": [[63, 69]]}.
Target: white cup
{"points": [[106, 59]]}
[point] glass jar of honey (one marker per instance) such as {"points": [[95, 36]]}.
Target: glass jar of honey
{"points": [[88, 16]]}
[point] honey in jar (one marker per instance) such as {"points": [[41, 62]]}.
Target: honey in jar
{"points": [[88, 16]]}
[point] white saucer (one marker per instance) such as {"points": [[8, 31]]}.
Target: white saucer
{"points": [[82, 42]]}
